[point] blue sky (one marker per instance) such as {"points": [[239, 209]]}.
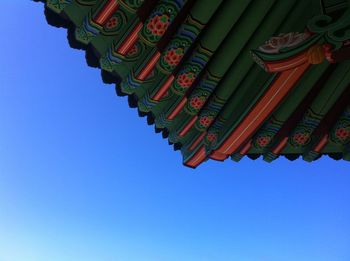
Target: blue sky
{"points": [[82, 177]]}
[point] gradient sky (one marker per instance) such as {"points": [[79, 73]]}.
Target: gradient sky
{"points": [[83, 178]]}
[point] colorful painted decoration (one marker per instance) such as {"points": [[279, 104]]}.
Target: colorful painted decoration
{"points": [[285, 40], [220, 79]]}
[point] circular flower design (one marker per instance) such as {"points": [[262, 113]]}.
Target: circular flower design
{"points": [[342, 133], [112, 22], [185, 80], [211, 137], [174, 56], [263, 141], [158, 24], [205, 121], [301, 138], [197, 102]]}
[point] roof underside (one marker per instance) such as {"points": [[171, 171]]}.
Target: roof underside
{"points": [[225, 78]]}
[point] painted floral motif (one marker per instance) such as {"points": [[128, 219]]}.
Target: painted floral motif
{"points": [[343, 133], [112, 23], [302, 133], [158, 24], [173, 56], [197, 102], [340, 133], [205, 121], [211, 137], [276, 43], [301, 138], [185, 80], [159, 20], [263, 141]]}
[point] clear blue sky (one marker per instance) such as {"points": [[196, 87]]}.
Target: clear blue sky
{"points": [[83, 178]]}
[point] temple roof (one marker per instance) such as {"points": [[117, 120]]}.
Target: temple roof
{"points": [[223, 79]]}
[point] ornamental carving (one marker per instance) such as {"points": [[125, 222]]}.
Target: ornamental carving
{"points": [[284, 40]]}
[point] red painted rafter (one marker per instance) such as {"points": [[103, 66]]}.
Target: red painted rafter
{"points": [[149, 67], [106, 12], [262, 110], [130, 40]]}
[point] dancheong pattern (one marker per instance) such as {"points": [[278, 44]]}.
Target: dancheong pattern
{"points": [[220, 79], [340, 133], [302, 134]]}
